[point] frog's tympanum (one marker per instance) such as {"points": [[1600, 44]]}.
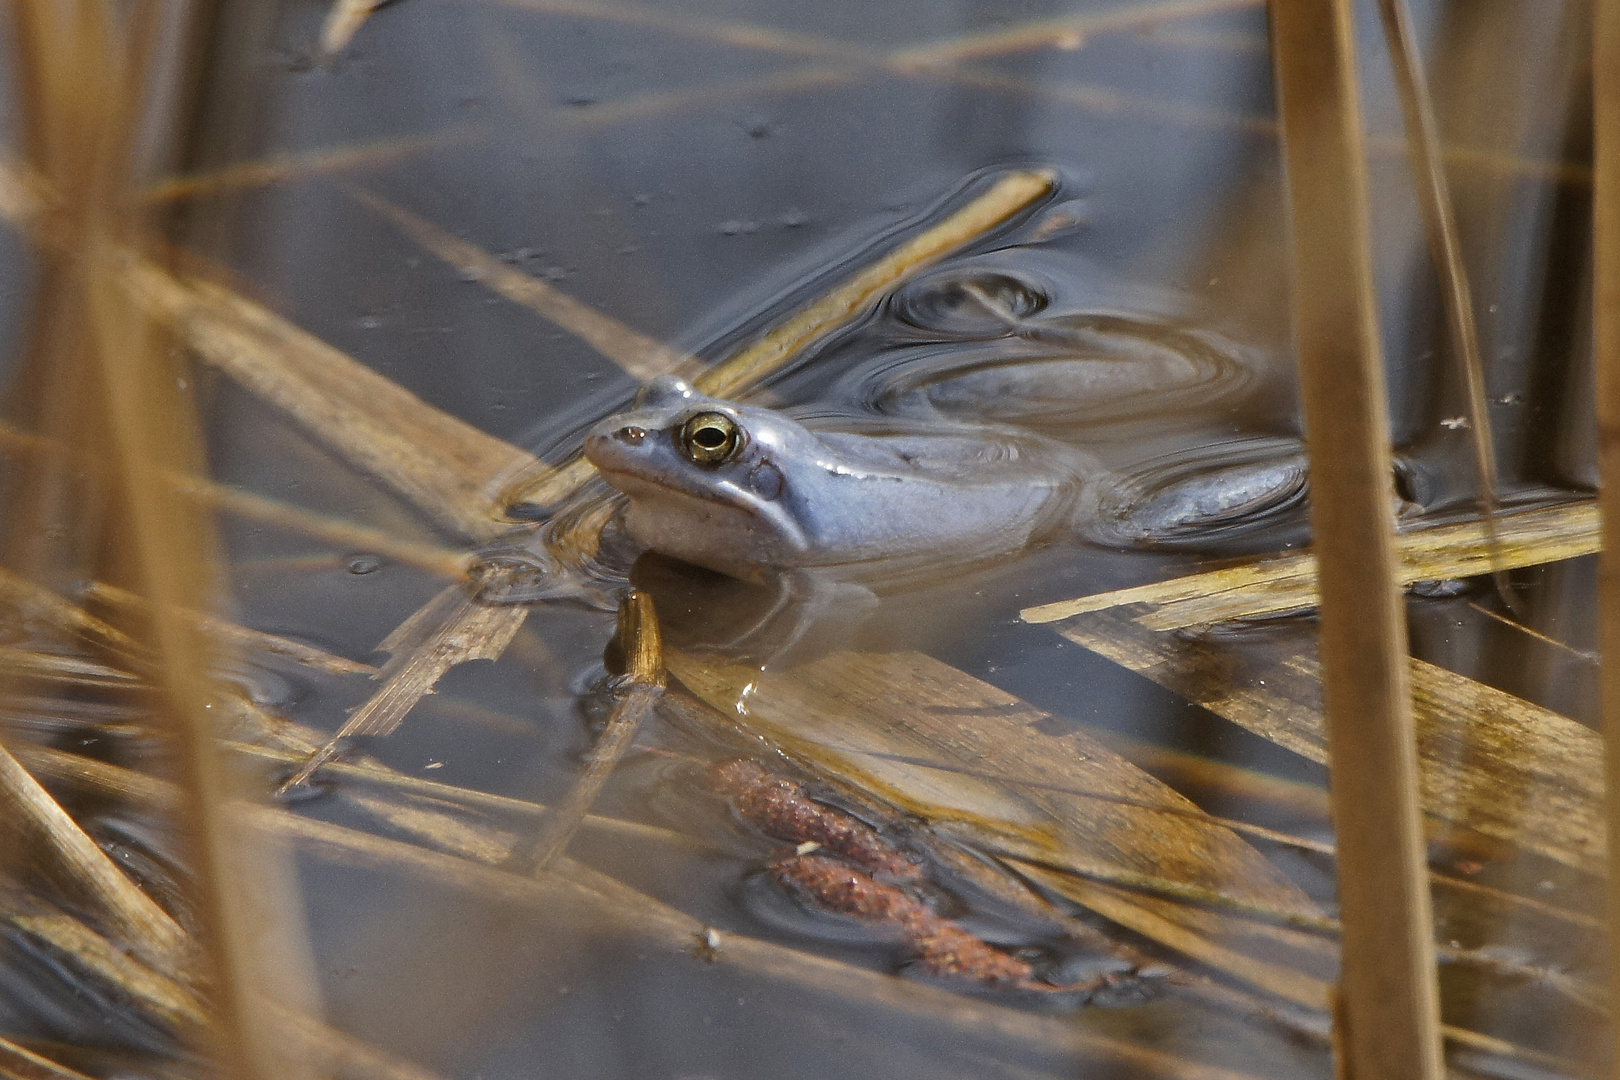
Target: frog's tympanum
{"points": [[746, 490]]}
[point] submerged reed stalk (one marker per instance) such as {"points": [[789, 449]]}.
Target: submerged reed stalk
{"points": [[1445, 249], [1606, 319], [1387, 1023]]}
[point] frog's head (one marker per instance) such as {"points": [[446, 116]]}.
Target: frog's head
{"points": [[709, 481]]}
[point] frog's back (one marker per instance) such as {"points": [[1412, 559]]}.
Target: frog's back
{"points": [[942, 497]]}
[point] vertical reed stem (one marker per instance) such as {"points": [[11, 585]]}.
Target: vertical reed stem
{"points": [[1388, 1017], [1606, 343]]}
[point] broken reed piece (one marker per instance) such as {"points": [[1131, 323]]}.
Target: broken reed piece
{"points": [[1445, 249], [641, 644], [450, 629], [765, 355], [1606, 338], [1388, 1020]]}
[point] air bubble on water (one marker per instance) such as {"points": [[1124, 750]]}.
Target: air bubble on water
{"points": [[363, 564]]}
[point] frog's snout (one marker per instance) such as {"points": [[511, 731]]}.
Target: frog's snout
{"points": [[609, 444]]}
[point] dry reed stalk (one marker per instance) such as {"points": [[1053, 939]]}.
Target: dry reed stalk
{"points": [[88, 874], [1445, 250], [1388, 1017], [86, 88], [1606, 320], [642, 684], [166, 548]]}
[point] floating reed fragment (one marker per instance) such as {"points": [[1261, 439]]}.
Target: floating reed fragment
{"points": [[1387, 1017], [156, 991], [1288, 582], [452, 628], [1531, 777], [744, 369], [37, 602]]}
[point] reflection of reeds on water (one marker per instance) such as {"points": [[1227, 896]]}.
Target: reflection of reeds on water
{"points": [[113, 494]]}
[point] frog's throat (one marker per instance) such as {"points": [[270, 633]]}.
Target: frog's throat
{"points": [[648, 493]]}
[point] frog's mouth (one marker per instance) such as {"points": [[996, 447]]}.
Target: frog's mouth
{"points": [[636, 486], [700, 523]]}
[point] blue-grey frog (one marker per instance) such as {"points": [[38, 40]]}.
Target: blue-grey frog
{"points": [[747, 490]]}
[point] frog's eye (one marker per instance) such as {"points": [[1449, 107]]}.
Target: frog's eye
{"points": [[711, 438]]}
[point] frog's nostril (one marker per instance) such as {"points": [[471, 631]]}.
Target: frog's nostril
{"points": [[631, 434]]}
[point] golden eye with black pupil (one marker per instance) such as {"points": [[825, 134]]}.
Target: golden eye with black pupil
{"points": [[711, 438]]}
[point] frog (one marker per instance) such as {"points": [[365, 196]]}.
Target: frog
{"points": [[749, 490]]}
